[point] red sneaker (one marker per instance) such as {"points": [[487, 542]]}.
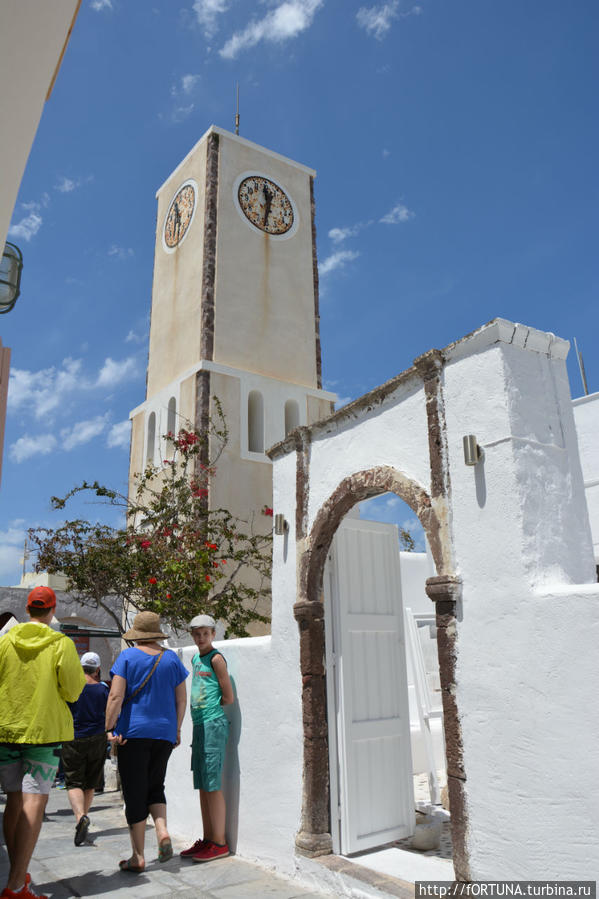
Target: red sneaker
{"points": [[211, 851], [24, 893], [199, 844]]}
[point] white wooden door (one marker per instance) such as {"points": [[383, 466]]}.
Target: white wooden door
{"points": [[372, 793]]}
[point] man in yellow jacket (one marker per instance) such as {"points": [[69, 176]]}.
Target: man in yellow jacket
{"points": [[39, 673]]}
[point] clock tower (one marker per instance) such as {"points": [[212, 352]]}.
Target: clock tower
{"points": [[234, 313]]}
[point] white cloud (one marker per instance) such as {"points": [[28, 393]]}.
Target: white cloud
{"points": [[82, 432], [27, 227], [34, 206], [376, 20], [338, 235], [207, 13], [101, 4], [67, 185], [336, 260], [44, 390], [133, 337], [189, 82], [286, 21], [180, 113], [184, 89], [47, 390], [399, 213], [120, 252], [113, 373], [386, 153], [26, 447], [12, 542], [119, 435]]}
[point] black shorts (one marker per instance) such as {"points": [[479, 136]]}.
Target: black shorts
{"points": [[83, 761]]}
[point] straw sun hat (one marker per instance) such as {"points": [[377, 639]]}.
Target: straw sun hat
{"points": [[146, 626]]}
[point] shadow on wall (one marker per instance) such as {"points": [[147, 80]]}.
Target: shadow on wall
{"points": [[231, 770]]}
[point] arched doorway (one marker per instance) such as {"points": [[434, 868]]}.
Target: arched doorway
{"points": [[314, 837]]}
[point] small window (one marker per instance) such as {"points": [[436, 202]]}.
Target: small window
{"points": [[171, 424], [255, 422], [151, 439], [291, 416]]}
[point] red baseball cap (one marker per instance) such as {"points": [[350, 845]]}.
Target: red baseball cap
{"points": [[41, 598]]}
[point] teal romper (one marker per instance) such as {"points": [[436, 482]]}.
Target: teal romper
{"points": [[210, 727]]}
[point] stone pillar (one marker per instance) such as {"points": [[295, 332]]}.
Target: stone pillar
{"points": [[445, 591], [314, 837]]}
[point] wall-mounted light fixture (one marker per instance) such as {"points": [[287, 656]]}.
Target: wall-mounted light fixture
{"points": [[11, 266], [281, 526], [472, 451]]}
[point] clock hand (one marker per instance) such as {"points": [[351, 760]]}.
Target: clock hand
{"points": [[267, 203]]}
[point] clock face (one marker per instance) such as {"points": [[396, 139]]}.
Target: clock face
{"points": [[180, 215], [265, 205]]}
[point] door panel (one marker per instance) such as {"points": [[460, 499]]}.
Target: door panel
{"points": [[368, 698]]}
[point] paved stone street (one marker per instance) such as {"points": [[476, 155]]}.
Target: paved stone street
{"points": [[61, 869]]}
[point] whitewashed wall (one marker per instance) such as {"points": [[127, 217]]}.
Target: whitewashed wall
{"points": [[263, 776], [528, 624], [586, 417], [527, 671]]}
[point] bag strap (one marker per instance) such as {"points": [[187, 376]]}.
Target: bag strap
{"points": [[144, 682]]}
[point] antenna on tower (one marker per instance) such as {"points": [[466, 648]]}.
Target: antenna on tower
{"points": [[237, 110], [581, 367]]}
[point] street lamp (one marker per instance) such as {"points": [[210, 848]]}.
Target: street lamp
{"points": [[11, 267]]}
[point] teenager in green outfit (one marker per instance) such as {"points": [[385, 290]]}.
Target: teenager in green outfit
{"points": [[211, 689]]}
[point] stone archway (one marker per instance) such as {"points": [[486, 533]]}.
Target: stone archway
{"points": [[314, 837]]}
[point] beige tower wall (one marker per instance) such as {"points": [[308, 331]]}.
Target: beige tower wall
{"points": [[176, 292], [264, 317]]}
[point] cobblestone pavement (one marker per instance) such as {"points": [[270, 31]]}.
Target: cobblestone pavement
{"points": [[61, 869]]}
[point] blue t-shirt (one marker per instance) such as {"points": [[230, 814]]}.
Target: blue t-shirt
{"points": [[89, 712], [152, 714]]}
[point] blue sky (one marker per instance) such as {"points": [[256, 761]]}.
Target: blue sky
{"points": [[455, 143]]}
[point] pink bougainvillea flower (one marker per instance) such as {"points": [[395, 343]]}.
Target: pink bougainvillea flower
{"points": [[145, 543]]}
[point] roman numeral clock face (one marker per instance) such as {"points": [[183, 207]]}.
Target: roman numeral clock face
{"points": [[265, 205]]}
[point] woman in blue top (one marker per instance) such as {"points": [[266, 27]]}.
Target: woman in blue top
{"points": [[145, 710]]}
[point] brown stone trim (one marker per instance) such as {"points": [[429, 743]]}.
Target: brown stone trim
{"points": [[355, 488], [202, 420], [430, 368], [314, 838], [209, 256], [350, 872], [316, 287], [349, 413], [446, 591], [302, 480]]}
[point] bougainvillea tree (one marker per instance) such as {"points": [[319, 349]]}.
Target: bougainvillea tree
{"points": [[174, 554]]}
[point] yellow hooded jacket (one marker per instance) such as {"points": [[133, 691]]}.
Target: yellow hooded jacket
{"points": [[40, 672]]}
